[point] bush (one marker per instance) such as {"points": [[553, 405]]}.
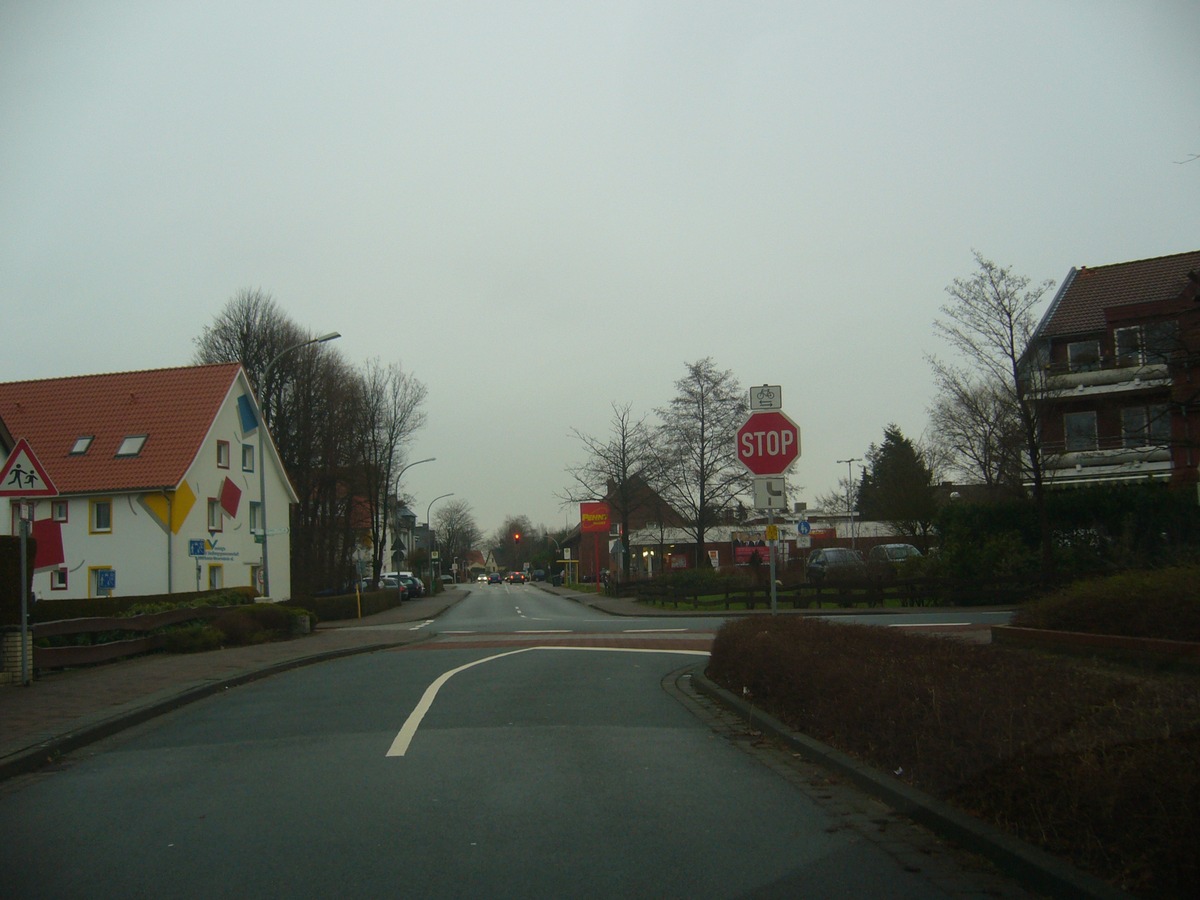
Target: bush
{"points": [[257, 623], [1095, 764], [1162, 603], [195, 638]]}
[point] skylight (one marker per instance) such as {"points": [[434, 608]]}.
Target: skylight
{"points": [[132, 445], [81, 444]]}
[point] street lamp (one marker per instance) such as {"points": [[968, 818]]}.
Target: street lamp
{"points": [[429, 537], [262, 460], [849, 508], [401, 475]]}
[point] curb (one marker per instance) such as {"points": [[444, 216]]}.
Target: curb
{"points": [[1031, 866]]}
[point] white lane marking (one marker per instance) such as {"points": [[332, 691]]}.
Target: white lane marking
{"points": [[421, 625], [409, 730]]}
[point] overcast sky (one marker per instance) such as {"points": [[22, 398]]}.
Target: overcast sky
{"points": [[543, 208]]}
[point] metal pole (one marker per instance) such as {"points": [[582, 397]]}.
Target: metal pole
{"points": [[429, 538], [24, 528], [849, 507], [262, 460]]}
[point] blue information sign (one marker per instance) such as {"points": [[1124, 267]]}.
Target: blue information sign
{"points": [[106, 579], [196, 548]]}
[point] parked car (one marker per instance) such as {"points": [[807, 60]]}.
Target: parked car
{"points": [[886, 560], [416, 587], [835, 564], [539, 574]]}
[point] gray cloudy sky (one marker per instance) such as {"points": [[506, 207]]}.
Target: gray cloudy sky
{"points": [[540, 208]]}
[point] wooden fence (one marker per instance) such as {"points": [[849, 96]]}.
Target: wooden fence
{"points": [[103, 651]]}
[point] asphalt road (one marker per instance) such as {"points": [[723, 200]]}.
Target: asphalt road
{"points": [[481, 763]]}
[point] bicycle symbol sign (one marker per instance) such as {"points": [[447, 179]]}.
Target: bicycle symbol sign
{"points": [[766, 396]]}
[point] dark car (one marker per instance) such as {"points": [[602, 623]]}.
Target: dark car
{"points": [[835, 564], [516, 578], [886, 560], [495, 578], [416, 587]]}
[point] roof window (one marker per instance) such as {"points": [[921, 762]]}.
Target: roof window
{"points": [[132, 445], [82, 444]]}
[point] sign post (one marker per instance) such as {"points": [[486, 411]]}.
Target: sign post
{"points": [[767, 444], [23, 477]]}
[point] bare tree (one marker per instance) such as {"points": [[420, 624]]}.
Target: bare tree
{"points": [[976, 431], [698, 471], [617, 469], [508, 542], [990, 322], [388, 416], [457, 532]]}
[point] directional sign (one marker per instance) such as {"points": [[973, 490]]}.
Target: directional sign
{"points": [[768, 442], [23, 475], [770, 492]]}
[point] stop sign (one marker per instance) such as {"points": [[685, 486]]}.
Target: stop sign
{"points": [[768, 442]]}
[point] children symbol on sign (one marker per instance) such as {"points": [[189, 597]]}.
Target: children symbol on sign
{"points": [[19, 475]]}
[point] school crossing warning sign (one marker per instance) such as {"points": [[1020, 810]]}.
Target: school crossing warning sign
{"points": [[24, 476]]}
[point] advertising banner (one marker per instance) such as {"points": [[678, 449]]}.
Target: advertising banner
{"points": [[593, 516]]}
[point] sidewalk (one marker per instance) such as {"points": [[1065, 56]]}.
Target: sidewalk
{"points": [[61, 711]]}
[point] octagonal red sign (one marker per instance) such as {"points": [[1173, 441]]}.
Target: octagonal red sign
{"points": [[768, 442]]}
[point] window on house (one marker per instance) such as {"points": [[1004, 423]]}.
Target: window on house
{"points": [[1084, 356], [100, 516], [58, 580], [247, 457], [255, 517], [216, 577], [132, 445], [1143, 426], [1160, 340], [82, 444], [222, 454], [103, 580], [1080, 429], [1128, 343], [58, 510], [214, 514]]}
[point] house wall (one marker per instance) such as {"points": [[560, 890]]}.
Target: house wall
{"points": [[150, 542]]}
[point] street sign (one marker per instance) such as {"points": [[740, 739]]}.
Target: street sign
{"points": [[770, 492], [768, 442], [23, 475], [196, 548], [766, 396]]}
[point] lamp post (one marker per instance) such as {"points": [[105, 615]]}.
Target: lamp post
{"points": [[262, 460], [401, 475], [849, 508], [429, 537]]}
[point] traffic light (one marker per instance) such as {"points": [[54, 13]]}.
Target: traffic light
{"points": [[517, 538]]}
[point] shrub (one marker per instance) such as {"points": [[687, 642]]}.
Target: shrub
{"points": [[1161, 603], [1095, 764], [256, 623], [194, 638]]}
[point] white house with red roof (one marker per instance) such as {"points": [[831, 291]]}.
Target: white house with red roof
{"points": [[157, 479]]}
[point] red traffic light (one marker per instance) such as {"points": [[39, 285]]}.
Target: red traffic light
{"points": [[517, 538]]}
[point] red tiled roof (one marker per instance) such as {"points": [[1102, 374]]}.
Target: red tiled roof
{"points": [[1080, 305], [175, 408]]}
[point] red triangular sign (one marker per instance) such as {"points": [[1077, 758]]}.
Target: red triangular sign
{"points": [[24, 476]]}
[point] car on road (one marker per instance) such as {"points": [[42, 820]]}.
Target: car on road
{"points": [[886, 560], [516, 578], [481, 578], [835, 564], [494, 578]]}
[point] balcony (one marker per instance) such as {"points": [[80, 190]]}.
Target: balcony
{"points": [[1107, 376], [1110, 460]]}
